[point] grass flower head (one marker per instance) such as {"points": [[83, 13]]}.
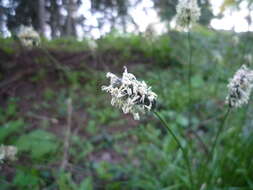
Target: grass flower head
{"points": [[28, 36], [8, 153], [240, 87], [129, 94], [188, 12]]}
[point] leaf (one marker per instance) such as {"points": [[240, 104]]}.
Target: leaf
{"points": [[102, 169], [197, 81], [65, 182], [10, 128], [38, 142], [25, 180], [86, 184], [182, 120], [11, 108]]}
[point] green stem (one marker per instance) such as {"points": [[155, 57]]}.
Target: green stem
{"points": [[189, 78], [219, 131], [184, 151]]}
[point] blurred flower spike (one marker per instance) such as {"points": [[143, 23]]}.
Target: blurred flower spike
{"points": [[240, 87], [129, 94], [188, 13], [8, 153], [28, 36]]}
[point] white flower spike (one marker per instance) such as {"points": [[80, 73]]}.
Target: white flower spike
{"points": [[28, 36], [129, 94], [8, 153], [188, 12], [240, 87]]}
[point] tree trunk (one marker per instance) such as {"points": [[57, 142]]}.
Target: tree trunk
{"points": [[42, 12], [70, 24]]}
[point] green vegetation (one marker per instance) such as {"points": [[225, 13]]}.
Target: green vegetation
{"points": [[109, 150]]}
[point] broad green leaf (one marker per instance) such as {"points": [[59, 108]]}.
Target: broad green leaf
{"points": [[39, 143]]}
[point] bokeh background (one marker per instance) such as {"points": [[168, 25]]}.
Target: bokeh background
{"points": [[68, 135]]}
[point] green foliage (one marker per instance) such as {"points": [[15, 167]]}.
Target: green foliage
{"points": [[65, 182], [67, 44], [102, 170], [38, 142], [7, 45], [160, 51], [40, 76], [86, 184], [129, 46], [108, 150], [9, 111], [26, 180], [137, 48], [10, 128], [49, 94], [81, 148]]}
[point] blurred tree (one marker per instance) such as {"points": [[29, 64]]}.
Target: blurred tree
{"points": [[23, 12], [72, 19], [71, 7], [55, 18], [42, 20], [116, 12], [235, 4], [1, 17], [60, 15], [229, 3]]}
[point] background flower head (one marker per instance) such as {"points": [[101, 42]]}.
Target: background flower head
{"points": [[28, 36], [188, 12], [8, 153], [239, 87]]}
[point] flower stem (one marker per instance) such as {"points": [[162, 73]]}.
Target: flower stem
{"points": [[219, 132], [184, 151], [189, 78], [215, 143]]}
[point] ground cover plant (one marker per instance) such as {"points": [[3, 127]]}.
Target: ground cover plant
{"points": [[69, 137]]}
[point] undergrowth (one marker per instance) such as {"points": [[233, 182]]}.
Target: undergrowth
{"points": [[109, 150]]}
